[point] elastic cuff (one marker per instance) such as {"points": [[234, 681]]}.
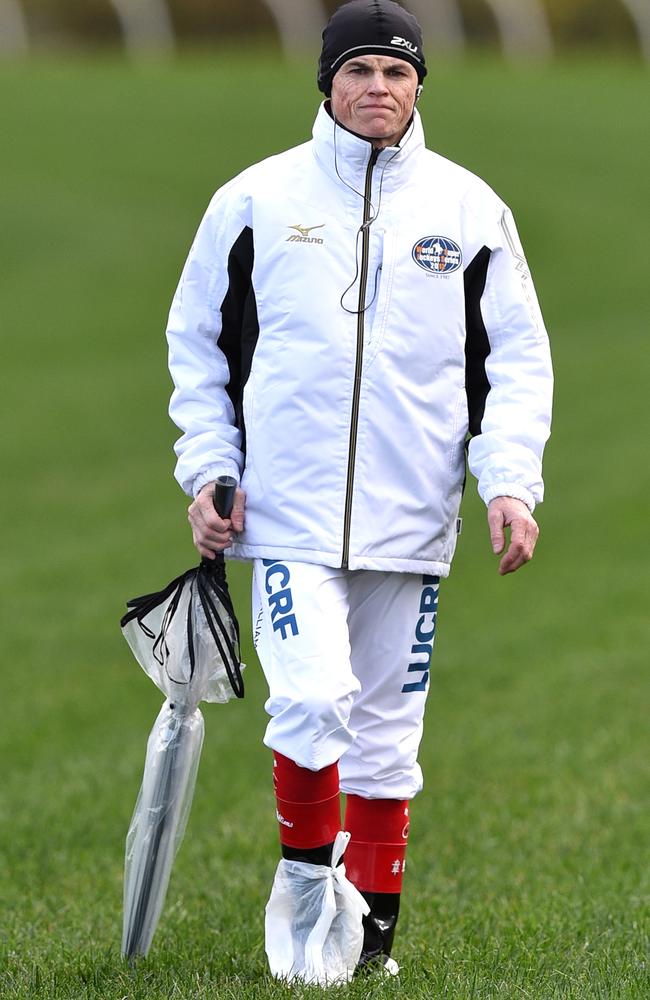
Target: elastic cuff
{"points": [[384, 821], [213, 472], [295, 783], [509, 490]]}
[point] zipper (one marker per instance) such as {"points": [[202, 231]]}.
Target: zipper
{"points": [[358, 366]]}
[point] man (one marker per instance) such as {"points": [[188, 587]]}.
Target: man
{"points": [[352, 313]]}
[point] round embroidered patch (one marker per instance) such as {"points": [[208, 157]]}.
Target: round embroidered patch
{"points": [[437, 254]]}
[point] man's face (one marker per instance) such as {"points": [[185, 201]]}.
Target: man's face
{"points": [[374, 97]]}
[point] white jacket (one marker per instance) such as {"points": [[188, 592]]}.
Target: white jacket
{"points": [[339, 370]]}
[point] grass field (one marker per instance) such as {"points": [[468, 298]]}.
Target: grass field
{"points": [[530, 859]]}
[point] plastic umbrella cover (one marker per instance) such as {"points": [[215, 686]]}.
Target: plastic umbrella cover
{"points": [[186, 639], [158, 823]]}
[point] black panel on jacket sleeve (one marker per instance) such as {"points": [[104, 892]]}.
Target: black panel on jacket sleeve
{"points": [[240, 327], [477, 343]]}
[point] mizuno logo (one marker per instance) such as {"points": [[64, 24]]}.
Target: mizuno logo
{"points": [[306, 230], [402, 42], [304, 236]]}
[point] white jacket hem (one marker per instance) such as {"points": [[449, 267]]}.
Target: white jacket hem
{"points": [[385, 564]]}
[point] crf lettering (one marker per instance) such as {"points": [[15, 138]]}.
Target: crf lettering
{"points": [[425, 631], [280, 602], [275, 569]]}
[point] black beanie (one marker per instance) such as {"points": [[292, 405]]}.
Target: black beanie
{"points": [[369, 27]]}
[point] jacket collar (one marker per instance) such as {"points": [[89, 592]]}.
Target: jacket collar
{"points": [[345, 156]]}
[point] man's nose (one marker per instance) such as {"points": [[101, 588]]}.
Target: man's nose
{"points": [[378, 83]]}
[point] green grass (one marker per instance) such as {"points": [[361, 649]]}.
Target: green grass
{"points": [[530, 851]]}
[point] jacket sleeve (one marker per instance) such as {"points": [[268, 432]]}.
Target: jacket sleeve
{"points": [[202, 401], [511, 422]]}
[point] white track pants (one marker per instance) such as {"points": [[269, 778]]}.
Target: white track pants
{"points": [[346, 656]]}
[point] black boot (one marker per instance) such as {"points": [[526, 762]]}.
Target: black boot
{"points": [[378, 929], [310, 855]]}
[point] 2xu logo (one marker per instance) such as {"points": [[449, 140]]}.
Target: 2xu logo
{"points": [[437, 254], [403, 43]]}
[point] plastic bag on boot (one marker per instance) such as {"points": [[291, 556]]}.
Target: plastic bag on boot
{"points": [[313, 928]]}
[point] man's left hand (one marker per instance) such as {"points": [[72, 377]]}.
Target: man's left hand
{"points": [[507, 512]]}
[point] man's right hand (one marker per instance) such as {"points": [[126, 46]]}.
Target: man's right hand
{"points": [[211, 533]]}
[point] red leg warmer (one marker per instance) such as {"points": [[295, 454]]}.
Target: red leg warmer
{"points": [[375, 858], [308, 805]]}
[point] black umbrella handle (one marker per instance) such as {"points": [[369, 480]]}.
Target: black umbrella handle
{"points": [[224, 495], [223, 499]]}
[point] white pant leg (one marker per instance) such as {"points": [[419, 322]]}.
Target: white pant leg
{"points": [[392, 626], [300, 613]]}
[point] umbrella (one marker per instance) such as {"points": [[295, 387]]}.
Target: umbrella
{"points": [[186, 638]]}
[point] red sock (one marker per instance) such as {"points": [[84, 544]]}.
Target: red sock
{"points": [[308, 804], [375, 857]]}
